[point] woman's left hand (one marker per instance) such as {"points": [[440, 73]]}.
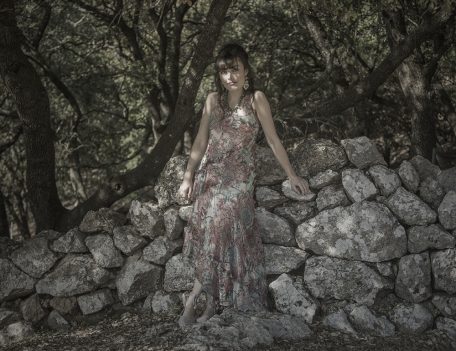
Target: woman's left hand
{"points": [[299, 185]]}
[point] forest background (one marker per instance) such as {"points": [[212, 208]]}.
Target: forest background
{"points": [[97, 95]]}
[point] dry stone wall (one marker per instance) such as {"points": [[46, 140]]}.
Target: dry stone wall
{"points": [[371, 250]]}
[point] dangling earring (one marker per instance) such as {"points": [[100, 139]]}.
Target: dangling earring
{"points": [[246, 83]]}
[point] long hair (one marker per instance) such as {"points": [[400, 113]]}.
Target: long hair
{"points": [[226, 58]]}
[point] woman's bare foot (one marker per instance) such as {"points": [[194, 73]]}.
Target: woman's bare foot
{"points": [[188, 317], [208, 312]]}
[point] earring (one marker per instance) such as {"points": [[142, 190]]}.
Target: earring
{"points": [[246, 83]]}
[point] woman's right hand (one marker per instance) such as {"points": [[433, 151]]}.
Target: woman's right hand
{"points": [[185, 189]]}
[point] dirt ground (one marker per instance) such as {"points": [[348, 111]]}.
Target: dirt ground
{"points": [[136, 330]]}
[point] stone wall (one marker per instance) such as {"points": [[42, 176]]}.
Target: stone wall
{"points": [[371, 250]]}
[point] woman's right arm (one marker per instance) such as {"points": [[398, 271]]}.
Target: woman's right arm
{"points": [[200, 143]]}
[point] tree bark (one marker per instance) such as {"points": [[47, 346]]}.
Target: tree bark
{"points": [[416, 90], [32, 104], [153, 164], [4, 225]]}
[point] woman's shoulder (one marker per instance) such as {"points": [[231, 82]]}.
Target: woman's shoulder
{"points": [[258, 95]]}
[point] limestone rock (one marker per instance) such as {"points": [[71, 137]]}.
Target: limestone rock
{"points": [[339, 321], [160, 250], [363, 231], [169, 181], [274, 229], [7, 317], [409, 176], [174, 225], [310, 157], [357, 186], [103, 251], [331, 196], [445, 303], [31, 309], [74, 274], [127, 239], [410, 209], [325, 178], [147, 218], [56, 321], [14, 282], [443, 267], [185, 212], [447, 210], [446, 324], [421, 238], [163, 303], [268, 198], [424, 167], [364, 320], [103, 219], [413, 318], [296, 212], [95, 301], [34, 257], [328, 277], [413, 281], [291, 298], [71, 241], [137, 279], [386, 180], [179, 274], [282, 259], [431, 192], [447, 179], [362, 152]]}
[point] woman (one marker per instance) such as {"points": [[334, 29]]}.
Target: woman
{"points": [[222, 235]]}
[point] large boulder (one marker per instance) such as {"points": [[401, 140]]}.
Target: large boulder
{"points": [[363, 231], [310, 157], [34, 257], [13, 283], [328, 277], [73, 275]]}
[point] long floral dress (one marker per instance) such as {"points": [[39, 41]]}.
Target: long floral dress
{"points": [[222, 236]]}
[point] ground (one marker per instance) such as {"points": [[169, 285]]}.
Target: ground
{"points": [[136, 330]]}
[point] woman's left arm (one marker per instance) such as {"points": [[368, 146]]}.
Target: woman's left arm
{"points": [[263, 110]]}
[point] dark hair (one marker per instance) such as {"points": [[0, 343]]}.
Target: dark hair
{"points": [[226, 58]]}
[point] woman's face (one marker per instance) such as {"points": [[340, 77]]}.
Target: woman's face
{"points": [[233, 78]]}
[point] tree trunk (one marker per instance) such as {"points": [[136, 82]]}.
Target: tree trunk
{"points": [[4, 225], [416, 90], [32, 104], [145, 173]]}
